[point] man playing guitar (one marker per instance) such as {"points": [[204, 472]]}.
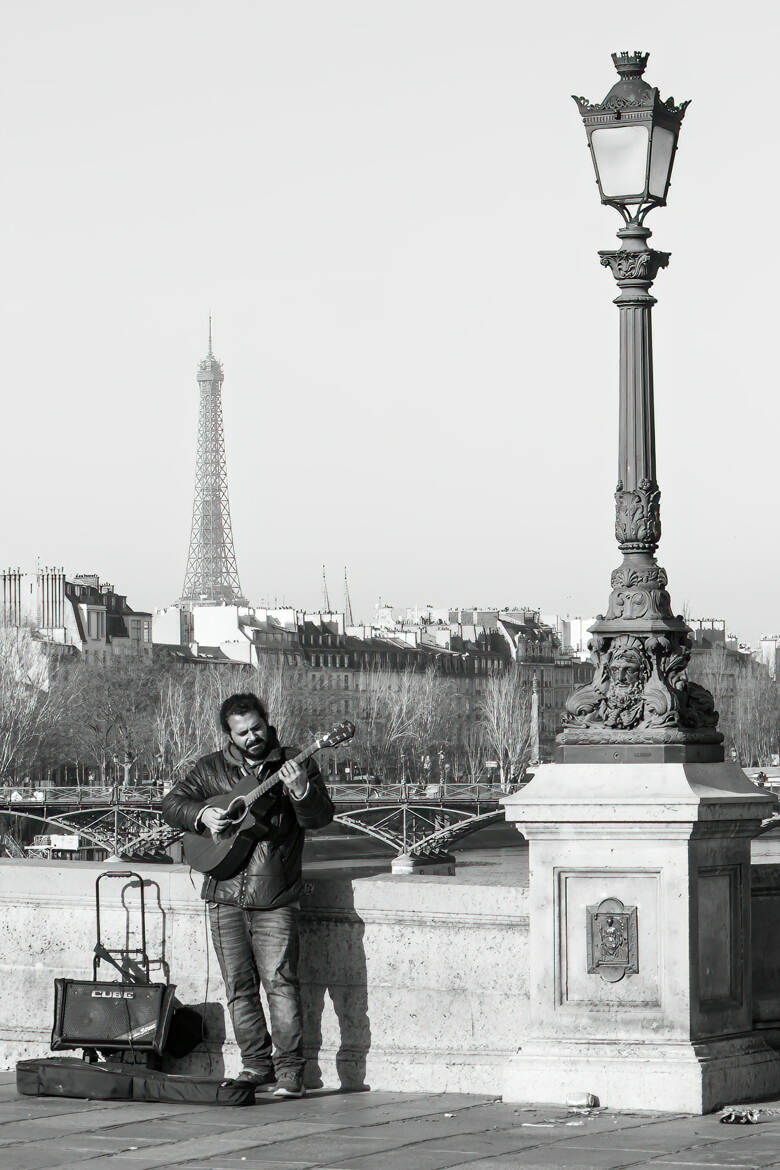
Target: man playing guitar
{"points": [[253, 913]]}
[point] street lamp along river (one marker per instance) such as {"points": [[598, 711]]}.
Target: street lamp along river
{"points": [[639, 706]]}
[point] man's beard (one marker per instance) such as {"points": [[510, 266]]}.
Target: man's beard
{"points": [[256, 753]]}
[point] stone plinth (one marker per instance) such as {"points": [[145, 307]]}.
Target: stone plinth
{"points": [[640, 938]]}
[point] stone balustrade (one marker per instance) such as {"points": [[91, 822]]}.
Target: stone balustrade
{"points": [[408, 982]]}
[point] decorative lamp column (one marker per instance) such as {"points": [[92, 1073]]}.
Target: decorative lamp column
{"points": [[639, 704], [639, 837]]}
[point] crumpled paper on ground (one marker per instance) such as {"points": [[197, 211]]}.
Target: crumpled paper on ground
{"points": [[740, 1116]]}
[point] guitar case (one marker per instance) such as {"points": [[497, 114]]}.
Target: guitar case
{"points": [[68, 1076]]}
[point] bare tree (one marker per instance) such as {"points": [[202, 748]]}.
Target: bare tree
{"points": [[186, 720], [475, 751], [406, 718], [32, 703], [184, 724], [435, 717], [747, 700], [385, 720], [505, 714], [278, 685], [110, 719], [753, 729]]}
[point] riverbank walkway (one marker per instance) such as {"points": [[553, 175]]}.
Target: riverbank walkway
{"points": [[330, 1130]]}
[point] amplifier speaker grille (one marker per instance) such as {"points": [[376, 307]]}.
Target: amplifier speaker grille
{"points": [[111, 1015]]}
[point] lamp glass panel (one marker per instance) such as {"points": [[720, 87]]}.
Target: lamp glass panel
{"points": [[661, 160], [621, 159]]}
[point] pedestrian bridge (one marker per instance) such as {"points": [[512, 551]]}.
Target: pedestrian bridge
{"points": [[417, 822]]}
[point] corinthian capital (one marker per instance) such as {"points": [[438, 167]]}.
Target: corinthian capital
{"points": [[642, 265]]}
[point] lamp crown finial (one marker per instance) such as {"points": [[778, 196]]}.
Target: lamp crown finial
{"points": [[630, 64]]}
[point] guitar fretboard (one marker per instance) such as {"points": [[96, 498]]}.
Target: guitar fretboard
{"points": [[255, 793]]}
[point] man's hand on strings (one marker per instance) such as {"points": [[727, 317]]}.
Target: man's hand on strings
{"points": [[214, 819], [294, 778]]}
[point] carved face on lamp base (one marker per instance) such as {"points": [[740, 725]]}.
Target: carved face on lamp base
{"points": [[640, 693]]}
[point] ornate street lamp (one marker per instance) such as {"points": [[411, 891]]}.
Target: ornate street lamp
{"points": [[632, 137], [639, 705]]}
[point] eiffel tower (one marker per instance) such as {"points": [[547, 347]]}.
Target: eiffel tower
{"points": [[212, 576]]}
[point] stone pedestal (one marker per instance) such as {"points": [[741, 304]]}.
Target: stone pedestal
{"points": [[640, 969]]}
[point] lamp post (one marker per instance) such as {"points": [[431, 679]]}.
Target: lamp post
{"points": [[639, 837], [639, 706]]}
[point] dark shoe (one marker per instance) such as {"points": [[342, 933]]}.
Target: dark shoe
{"points": [[289, 1084], [264, 1082]]}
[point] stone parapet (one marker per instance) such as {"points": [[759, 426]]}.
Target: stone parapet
{"points": [[417, 983]]}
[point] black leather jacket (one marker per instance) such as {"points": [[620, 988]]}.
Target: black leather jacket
{"points": [[272, 875]]}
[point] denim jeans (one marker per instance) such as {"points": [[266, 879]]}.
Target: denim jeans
{"points": [[257, 947]]}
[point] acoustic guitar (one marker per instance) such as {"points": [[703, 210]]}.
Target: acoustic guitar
{"points": [[223, 854]]}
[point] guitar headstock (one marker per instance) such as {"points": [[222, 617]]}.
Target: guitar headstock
{"points": [[340, 733]]}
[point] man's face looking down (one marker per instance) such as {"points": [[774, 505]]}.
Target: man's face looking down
{"points": [[249, 733]]}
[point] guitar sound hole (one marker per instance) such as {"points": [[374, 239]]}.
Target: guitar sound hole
{"points": [[236, 810]]}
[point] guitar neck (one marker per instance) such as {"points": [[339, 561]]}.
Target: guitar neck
{"points": [[255, 793]]}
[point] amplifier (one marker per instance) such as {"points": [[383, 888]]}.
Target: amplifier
{"points": [[111, 1016]]}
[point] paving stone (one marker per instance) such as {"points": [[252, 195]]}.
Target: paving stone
{"points": [[78, 1121], [276, 1156], [407, 1158], [652, 1140], [26, 1108], [31, 1157], [560, 1157], [51, 1153], [266, 1164], [358, 1109], [108, 1113], [495, 1164], [717, 1156], [173, 1129], [215, 1147], [340, 1144]]}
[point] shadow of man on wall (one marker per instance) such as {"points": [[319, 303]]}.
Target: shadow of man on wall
{"points": [[333, 968]]}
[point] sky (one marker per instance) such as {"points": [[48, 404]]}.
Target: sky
{"points": [[390, 210]]}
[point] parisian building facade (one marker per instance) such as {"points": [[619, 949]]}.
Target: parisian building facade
{"points": [[79, 614]]}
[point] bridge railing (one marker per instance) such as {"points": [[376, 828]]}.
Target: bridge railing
{"points": [[151, 794], [142, 794], [419, 793]]}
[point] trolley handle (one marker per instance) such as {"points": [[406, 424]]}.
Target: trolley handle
{"points": [[120, 873]]}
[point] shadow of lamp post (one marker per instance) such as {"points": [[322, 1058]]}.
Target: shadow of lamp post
{"points": [[639, 706]]}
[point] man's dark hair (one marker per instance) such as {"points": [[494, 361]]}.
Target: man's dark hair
{"points": [[240, 705]]}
